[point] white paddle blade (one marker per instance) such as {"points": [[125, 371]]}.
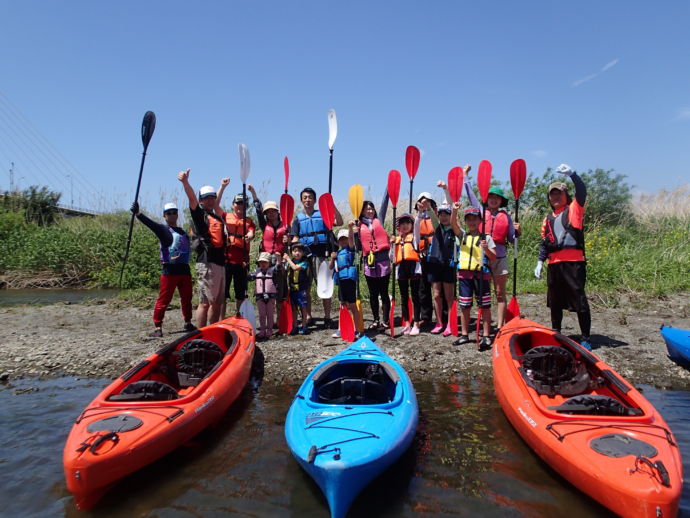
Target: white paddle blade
{"points": [[244, 162], [332, 128], [324, 281], [247, 312]]}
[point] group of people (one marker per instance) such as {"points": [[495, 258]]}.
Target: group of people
{"points": [[440, 250]]}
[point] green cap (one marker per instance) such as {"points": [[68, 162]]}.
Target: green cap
{"points": [[499, 192]]}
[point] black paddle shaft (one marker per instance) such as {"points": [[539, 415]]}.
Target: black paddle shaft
{"points": [[517, 208], [330, 171]]}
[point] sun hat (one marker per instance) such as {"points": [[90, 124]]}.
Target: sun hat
{"points": [[472, 211], [424, 194], [405, 216], [343, 232], [444, 207], [169, 206], [499, 192], [270, 205], [205, 191], [239, 198], [560, 186], [264, 256]]}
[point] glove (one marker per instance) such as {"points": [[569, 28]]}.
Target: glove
{"points": [[135, 208], [564, 169], [537, 270]]}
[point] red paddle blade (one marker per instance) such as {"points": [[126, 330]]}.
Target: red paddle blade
{"points": [[286, 166], [518, 175], [393, 186], [287, 208], [453, 318], [285, 318], [410, 311], [347, 326], [327, 209], [391, 319], [412, 161], [512, 310], [455, 179], [484, 179]]}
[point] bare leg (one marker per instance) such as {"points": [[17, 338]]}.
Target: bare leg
{"points": [[500, 287], [214, 313], [436, 290], [465, 321], [202, 314]]}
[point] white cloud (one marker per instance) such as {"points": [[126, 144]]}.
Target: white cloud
{"points": [[539, 153], [589, 77], [683, 115]]}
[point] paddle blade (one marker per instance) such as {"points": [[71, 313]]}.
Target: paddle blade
{"points": [[455, 179], [287, 208], [518, 176], [412, 161], [285, 318], [512, 310], [286, 167], [394, 186], [484, 179], [360, 317], [148, 125], [347, 326], [410, 310], [453, 318], [332, 128], [244, 162], [356, 197], [391, 319], [327, 209], [247, 311]]}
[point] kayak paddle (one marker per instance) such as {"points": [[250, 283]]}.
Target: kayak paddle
{"points": [[246, 308], [518, 175], [148, 125], [455, 182], [346, 325], [356, 198], [412, 165], [483, 183], [287, 202], [327, 209], [332, 134], [393, 192]]}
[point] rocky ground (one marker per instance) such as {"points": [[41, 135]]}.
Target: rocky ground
{"points": [[103, 339]]}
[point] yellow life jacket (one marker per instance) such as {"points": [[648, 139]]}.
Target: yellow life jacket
{"points": [[470, 252]]}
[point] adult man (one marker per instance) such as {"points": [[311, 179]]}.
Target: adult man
{"points": [[563, 244], [309, 229], [240, 231], [210, 252], [174, 254]]}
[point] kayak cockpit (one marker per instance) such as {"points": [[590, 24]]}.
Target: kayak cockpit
{"points": [[566, 378], [176, 369], [355, 383]]}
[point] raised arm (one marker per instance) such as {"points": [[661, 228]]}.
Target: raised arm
{"points": [[183, 176], [224, 182]]}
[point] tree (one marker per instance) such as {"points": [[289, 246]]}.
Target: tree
{"points": [[38, 204]]}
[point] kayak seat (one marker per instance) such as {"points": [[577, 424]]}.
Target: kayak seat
{"points": [[551, 370], [594, 404], [195, 360], [145, 390], [353, 391]]}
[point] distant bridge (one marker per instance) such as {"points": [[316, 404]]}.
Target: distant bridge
{"points": [[70, 211]]}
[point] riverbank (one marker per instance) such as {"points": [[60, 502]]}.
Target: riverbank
{"points": [[102, 340]]}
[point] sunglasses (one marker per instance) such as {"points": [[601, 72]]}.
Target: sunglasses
{"points": [[170, 212]]}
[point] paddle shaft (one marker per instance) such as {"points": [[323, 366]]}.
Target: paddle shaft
{"points": [[244, 237], [131, 221], [515, 250], [330, 171], [480, 309]]}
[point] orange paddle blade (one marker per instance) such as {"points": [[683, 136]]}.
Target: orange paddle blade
{"points": [[512, 310]]}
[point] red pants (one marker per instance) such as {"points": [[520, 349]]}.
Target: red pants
{"points": [[183, 283]]}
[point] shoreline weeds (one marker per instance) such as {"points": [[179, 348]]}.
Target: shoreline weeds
{"points": [[102, 340]]}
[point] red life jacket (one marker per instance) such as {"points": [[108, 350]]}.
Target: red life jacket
{"points": [[373, 239], [272, 239], [497, 226]]}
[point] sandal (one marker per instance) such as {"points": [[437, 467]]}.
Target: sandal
{"points": [[464, 339], [374, 325]]}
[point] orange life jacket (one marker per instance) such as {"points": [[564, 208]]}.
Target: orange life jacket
{"points": [[236, 228], [407, 251], [426, 233]]}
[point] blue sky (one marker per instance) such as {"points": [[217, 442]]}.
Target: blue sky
{"points": [[593, 84]]}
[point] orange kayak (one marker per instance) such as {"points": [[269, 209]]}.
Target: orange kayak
{"points": [[156, 406], [586, 422]]}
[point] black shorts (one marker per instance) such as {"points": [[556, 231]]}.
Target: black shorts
{"points": [[347, 291], [436, 272], [235, 273], [566, 286]]}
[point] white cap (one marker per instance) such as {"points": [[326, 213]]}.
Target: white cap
{"points": [[206, 190], [343, 232], [169, 206], [426, 195]]}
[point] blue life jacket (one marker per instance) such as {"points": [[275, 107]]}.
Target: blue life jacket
{"points": [[344, 265], [178, 251], [312, 229]]}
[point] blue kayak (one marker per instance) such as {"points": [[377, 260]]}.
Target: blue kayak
{"points": [[678, 344], [354, 415]]}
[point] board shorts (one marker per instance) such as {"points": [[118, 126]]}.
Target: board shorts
{"points": [[235, 274], [210, 282], [470, 287], [347, 291], [565, 281], [436, 272], [298, 298], [499, 266]]}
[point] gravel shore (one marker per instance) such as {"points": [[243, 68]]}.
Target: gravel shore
{"points": [[103, 340]]}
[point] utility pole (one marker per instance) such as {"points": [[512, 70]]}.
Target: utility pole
{"points": [[11, 177], [71, 190]]}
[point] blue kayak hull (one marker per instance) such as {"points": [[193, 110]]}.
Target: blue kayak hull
{"points": [[678, 344], [354, 416]]}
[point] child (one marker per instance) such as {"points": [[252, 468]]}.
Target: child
{"points": [[298, 284], [405, 253], [345, 274], [266, 291], [475, 251]]}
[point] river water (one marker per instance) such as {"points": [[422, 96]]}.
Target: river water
{"points": [[466, 461], [52, 296]]}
